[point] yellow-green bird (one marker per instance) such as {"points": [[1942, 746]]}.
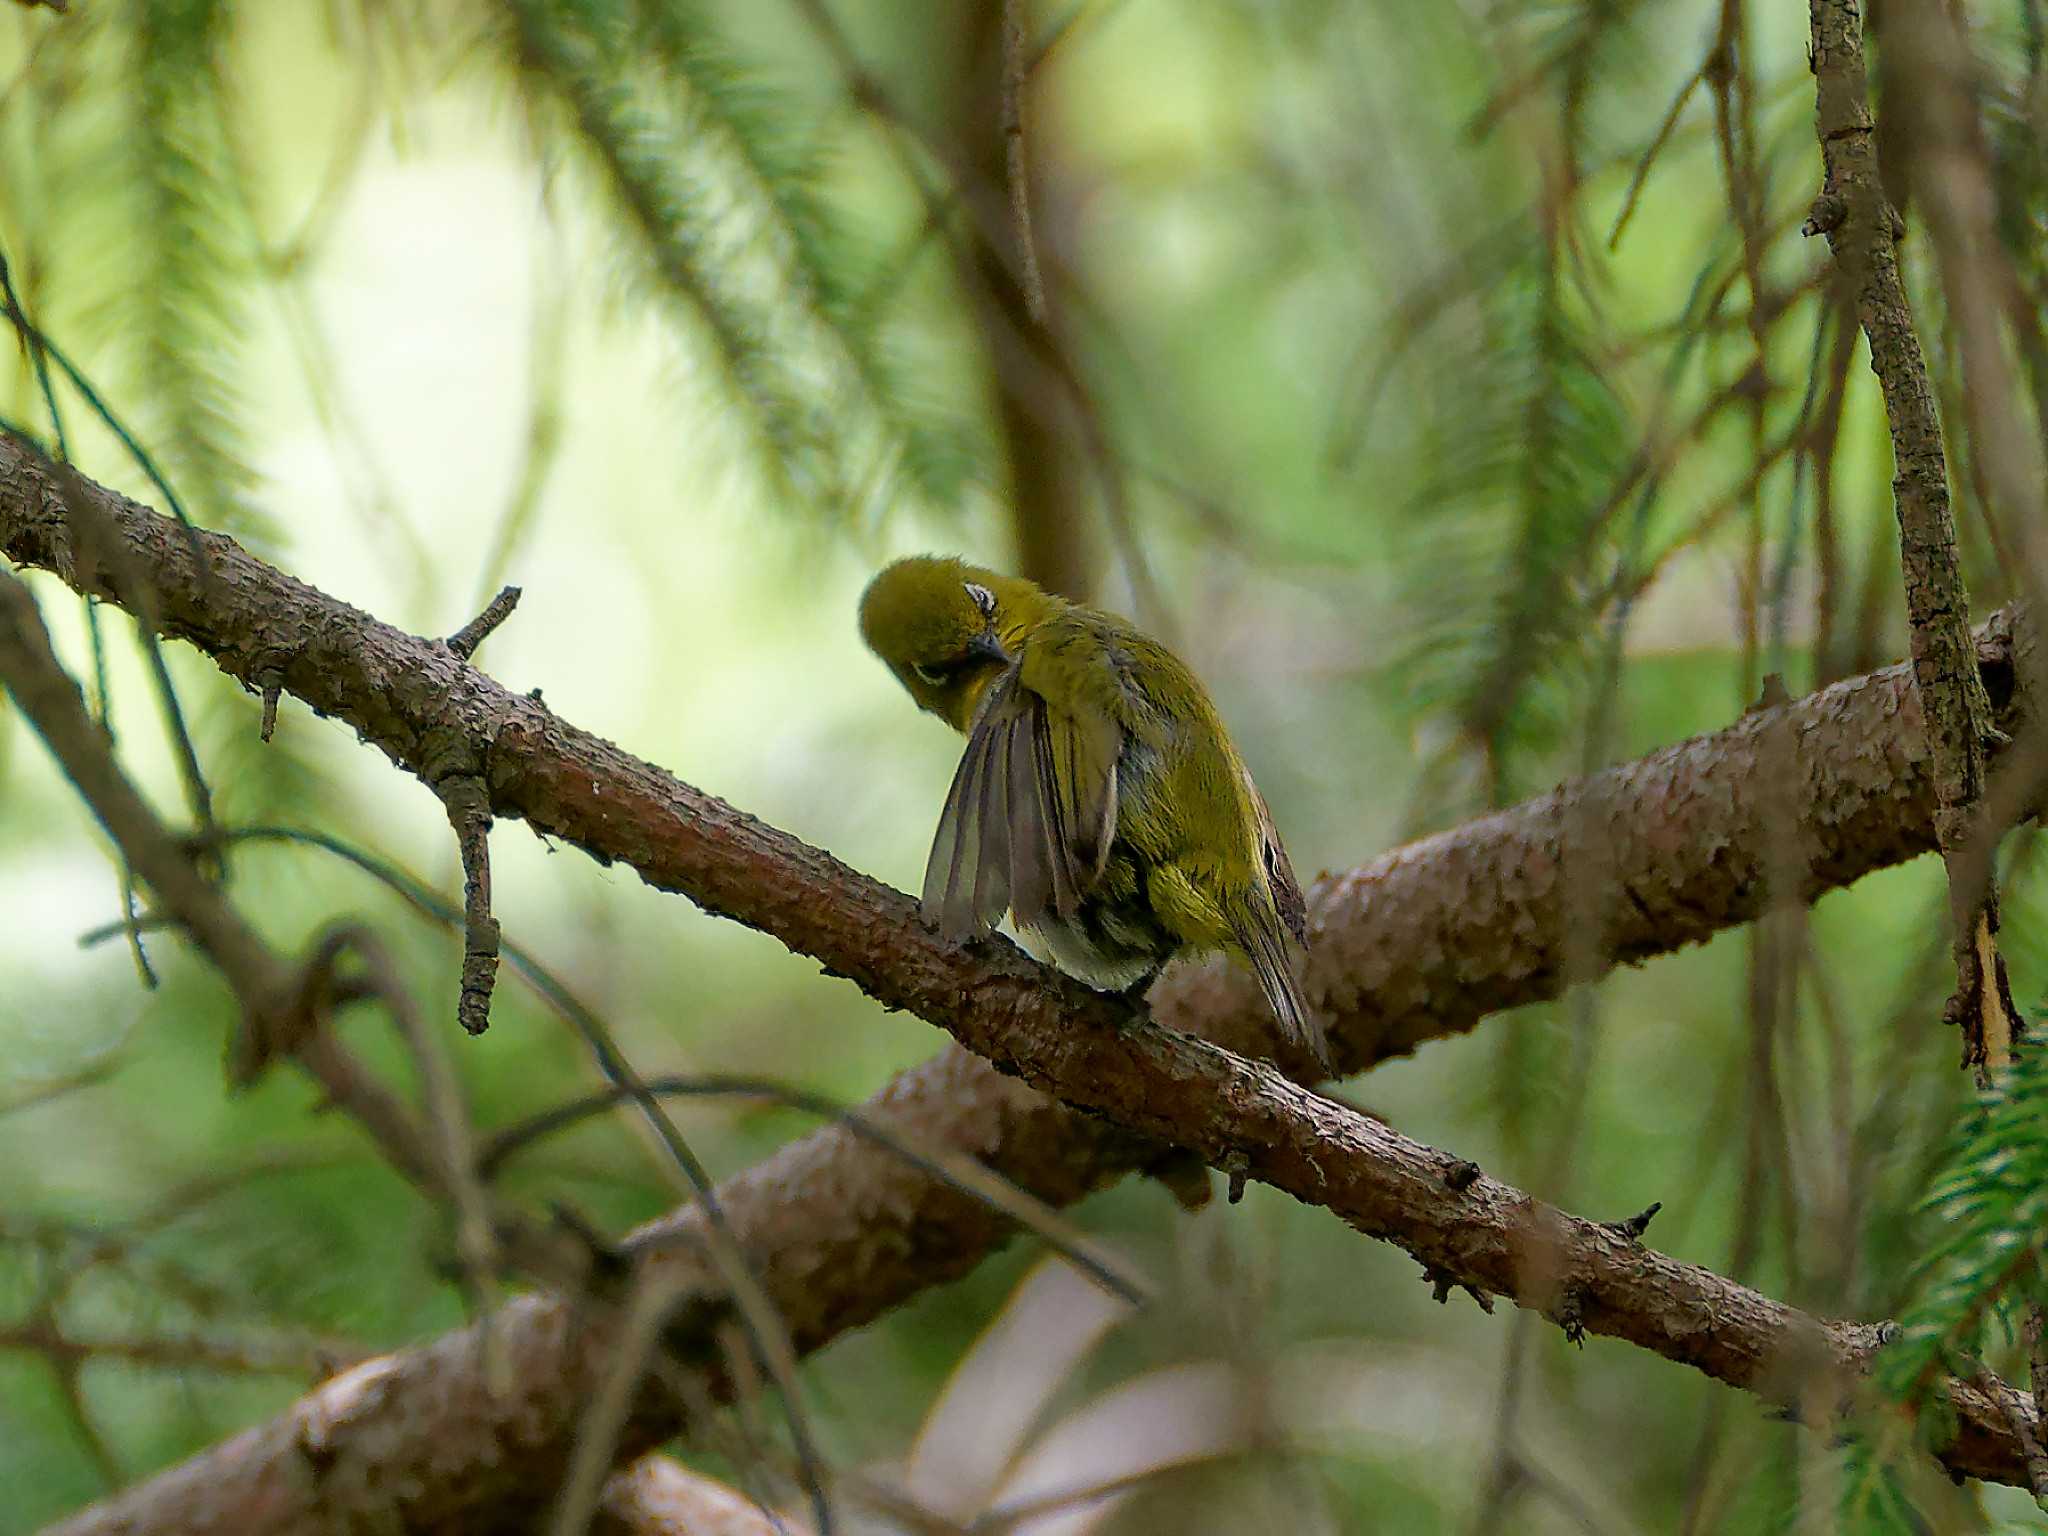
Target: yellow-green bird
{"points": [[1099, 800]]}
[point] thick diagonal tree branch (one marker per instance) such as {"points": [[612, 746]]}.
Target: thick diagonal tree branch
{"points": [[1423, 943]]}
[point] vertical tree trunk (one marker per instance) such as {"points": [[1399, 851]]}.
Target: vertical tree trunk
{"points": [[1037, 396]]}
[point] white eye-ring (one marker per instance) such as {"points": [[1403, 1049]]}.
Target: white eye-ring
{"points": [[930, 676], [984, 599]]}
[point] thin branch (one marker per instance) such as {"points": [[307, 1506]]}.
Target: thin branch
{"points": [[229, 1356], [458, 1176], [52, 705], [1950, 166], [1016, 165], [1121, 1280], [276, 999], [1641, 175], [1863, 229]]}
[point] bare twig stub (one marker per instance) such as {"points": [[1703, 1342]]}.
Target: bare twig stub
{"points": [[1863, 231], [468, 804], [272, 690], [473, 634], [469, 812]]}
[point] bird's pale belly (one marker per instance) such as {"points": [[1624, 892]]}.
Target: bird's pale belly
{"points": [[1109, 945]]}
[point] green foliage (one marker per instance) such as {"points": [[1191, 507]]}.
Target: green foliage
{"points": [[1512, 534], [191, 249], [1985, 1216], [1875, 1500], [702, 166], [840, 291]]}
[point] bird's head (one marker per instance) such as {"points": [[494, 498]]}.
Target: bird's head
{"points": [[939, 624]]}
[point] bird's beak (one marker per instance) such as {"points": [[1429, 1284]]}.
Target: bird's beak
{"points": [[988, 647]]}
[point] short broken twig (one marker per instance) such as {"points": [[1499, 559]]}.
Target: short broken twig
{"points": [[272, 682], [1635, 1226], [1236, 1167], [473, 634]]}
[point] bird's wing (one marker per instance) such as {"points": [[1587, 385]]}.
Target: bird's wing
{"points": [[1273, 935], [1287, 898], [1029, 820]]}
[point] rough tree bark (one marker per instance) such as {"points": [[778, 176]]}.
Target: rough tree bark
{"points": [[1422, 943]]}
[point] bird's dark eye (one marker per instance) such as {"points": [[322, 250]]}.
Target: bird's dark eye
{"points": [[983, 599], [932, 677]]}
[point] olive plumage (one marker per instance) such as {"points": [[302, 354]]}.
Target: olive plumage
{"points": [[1099, 800]]}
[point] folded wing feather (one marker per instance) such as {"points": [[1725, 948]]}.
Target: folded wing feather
{"points": [[1030, 817]]}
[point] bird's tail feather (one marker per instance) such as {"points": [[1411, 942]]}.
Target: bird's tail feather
{"points": [[1271, 954]]}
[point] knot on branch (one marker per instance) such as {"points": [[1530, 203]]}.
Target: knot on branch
{"points": [[1441, 1283], [1461, 1175], [1184, 1175], [1826, 215]]}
